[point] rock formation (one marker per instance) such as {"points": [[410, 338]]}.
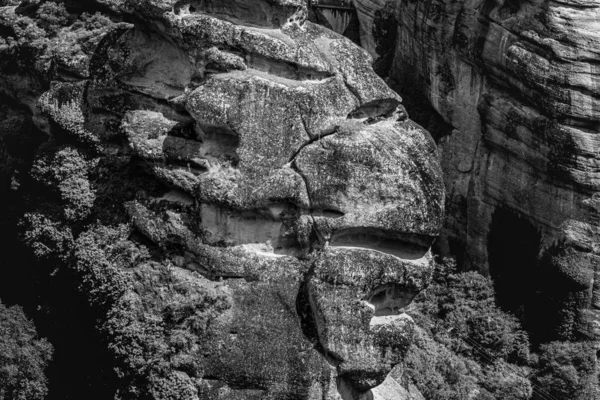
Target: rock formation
{"points": [[339, 16], [378, 31], [367, 13], [517, 87], [242, 200]]}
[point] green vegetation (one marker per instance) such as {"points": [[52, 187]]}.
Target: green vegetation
{"points": [[64, 171], [567, 370], [461, 306], [467, 348], [23, 357], [52, 16], [45, 237], [43, 37]]}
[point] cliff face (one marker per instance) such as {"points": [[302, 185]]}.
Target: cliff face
{"points": [[378, 31], [243, 202], [519, 86]]}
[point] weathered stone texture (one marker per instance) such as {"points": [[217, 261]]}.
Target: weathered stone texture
{"points": [[519, 83], [279, 171]]}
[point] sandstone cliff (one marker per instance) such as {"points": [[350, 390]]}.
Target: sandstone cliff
{"points": [[378, 31], [511, 91], [242, 201]]}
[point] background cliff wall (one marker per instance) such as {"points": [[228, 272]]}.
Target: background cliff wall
{"points": [[511, 91]]}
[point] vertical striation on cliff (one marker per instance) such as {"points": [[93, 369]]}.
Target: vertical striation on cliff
{"points": [[519, 85]]}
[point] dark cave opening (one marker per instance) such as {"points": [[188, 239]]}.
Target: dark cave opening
{"points": [[513, 248]]}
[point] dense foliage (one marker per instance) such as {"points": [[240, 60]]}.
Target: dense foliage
{"points": [[468, 348], [23, 357], [567, 370]]}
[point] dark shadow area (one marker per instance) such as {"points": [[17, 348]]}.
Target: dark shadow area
{"points": [[81, 368], [513, 248], [47, 291], [385, 33], [403, 245], [563, 295], [419, 108]]}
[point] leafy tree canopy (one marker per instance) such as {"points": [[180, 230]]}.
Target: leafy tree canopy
{"points": [[23, 357]]}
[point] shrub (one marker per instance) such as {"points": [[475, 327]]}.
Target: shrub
{"points": [[468, 348], [23, 357], [66, 171], [47, 238], [52, 16], [437, 372], [566, 370], [461, 307]]}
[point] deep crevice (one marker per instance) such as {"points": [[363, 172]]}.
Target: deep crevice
{"points": [[311, 210], [513, 248], [402, 245], [283, 69], [353, 91], [312, 140], [307, 320], [375, 108]]}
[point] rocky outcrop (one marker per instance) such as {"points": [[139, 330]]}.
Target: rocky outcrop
{"points": [[339, 16], [518, 84], [371, 24], [242, 200]]}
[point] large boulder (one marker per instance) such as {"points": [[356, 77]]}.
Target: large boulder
{"points": [[261, 207]]}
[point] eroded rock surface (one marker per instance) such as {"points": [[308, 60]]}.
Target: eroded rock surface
{"points": [[519, 85], [242, 198]]}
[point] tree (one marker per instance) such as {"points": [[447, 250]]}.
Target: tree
{"points": [[468, 347], [23, 357], [462, 307], [567, 370]]}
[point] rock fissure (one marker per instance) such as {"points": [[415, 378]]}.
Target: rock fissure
{"points": [[285, 70], [314, 226], [353, 91], [312, 140]]}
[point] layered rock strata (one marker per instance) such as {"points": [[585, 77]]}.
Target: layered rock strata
{"points": [[519, 85]]}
